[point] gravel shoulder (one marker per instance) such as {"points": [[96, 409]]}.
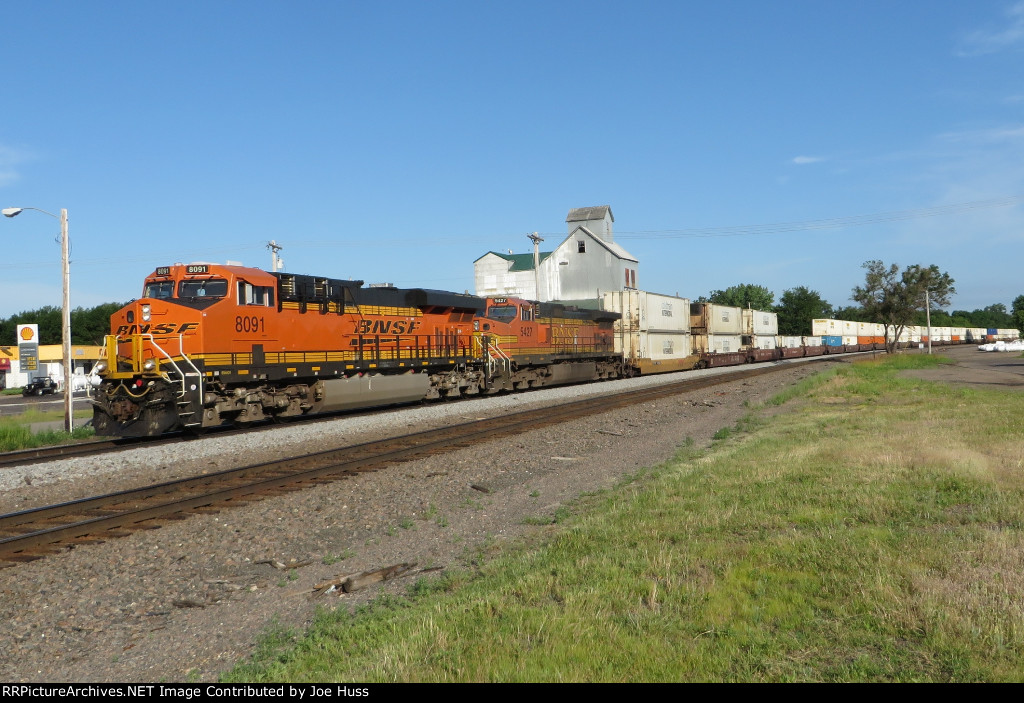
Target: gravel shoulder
{"points": [[187, 601]]}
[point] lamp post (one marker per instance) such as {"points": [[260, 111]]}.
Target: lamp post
{"points": [[65, 308]]}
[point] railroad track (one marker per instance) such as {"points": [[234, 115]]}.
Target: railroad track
{"points": [[34, 533]]}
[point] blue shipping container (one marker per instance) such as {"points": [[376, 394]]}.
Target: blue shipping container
{"points": [[992, 330], [832, 341]]}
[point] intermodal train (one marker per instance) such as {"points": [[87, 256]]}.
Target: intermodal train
{"points": [[208, 345]]}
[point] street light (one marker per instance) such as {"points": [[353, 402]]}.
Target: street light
{"points": [[66, 308]]}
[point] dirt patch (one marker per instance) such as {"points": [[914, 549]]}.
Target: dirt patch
{"points": [[975, 369]]}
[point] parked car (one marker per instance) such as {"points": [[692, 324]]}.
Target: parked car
{"points": [[40, 386]]}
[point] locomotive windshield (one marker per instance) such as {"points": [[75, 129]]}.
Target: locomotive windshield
{"points": [[502, 313], [203, 288], [158, 289]]}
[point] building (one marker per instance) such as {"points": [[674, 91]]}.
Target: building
{"points": [[50, 363], [584, 266]]}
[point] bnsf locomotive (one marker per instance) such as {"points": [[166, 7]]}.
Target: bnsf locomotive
{"points": [[208, 345]]}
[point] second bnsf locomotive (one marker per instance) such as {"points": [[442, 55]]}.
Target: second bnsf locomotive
{"points": [[209, 344]]}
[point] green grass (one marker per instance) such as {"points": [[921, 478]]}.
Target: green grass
{"points": [[874, 532], [16, 432]]}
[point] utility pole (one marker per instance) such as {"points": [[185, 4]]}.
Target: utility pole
{"points": [[65, 333], [65, 326], [928, 317], [275, 261], [536, 262]]}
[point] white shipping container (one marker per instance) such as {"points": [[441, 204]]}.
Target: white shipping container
{"points": [[762, 341], [792, 342], [812, 341], [716, 319], [849, 329], [849, 339], [719, 343], [760, 322], [648, 312], [870, 329], [826, 328], [658, 346]]}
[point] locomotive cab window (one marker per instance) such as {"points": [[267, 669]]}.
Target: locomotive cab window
{"points": [[158, 289], [203, 288], [248, 294], [502, 313], [526, 313]]}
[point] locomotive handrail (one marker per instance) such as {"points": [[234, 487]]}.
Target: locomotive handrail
{"points": [[506, 361], [184, 356]]}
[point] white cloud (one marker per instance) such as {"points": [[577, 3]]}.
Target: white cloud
{"points": [[986, 136], [10, 157], [802, 160], [990, 41]]}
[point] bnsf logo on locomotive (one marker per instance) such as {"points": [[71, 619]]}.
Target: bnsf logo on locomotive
{"points": [[162, 328], [386, 326]]}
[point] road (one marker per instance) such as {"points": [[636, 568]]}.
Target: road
{"points": [[16, 404]]}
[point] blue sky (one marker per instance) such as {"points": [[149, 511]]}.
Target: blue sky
{"points": [[400, 141]]}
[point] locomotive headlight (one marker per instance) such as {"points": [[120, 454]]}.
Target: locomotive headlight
{"points": [[145, 313], [100, 367], [149, 365]]}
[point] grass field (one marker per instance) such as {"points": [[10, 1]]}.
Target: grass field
{"points": [[16, 432], [870, 531]]}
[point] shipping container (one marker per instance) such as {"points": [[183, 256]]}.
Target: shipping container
{"points": [[649, 312], [653, 334], [850, 340], [711, 319], [760, 322], [848, 329], [813, 341], [789, 342], [832, 340], [826, 328], [762, 341], [717, 343], [658, 352]]}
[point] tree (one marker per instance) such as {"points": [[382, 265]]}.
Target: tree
{"points": [[744, 295], [1017, 310], [797, 307], [853, 313], [894, 298], [88, 325]]}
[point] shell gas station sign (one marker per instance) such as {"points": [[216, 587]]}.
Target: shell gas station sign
{"points": [[28, 347]]}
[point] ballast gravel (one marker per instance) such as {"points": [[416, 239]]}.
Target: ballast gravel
{"points": [[188, 601]]}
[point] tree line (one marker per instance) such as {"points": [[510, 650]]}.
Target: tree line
{"points": [[88, 325], [889, 295]]}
